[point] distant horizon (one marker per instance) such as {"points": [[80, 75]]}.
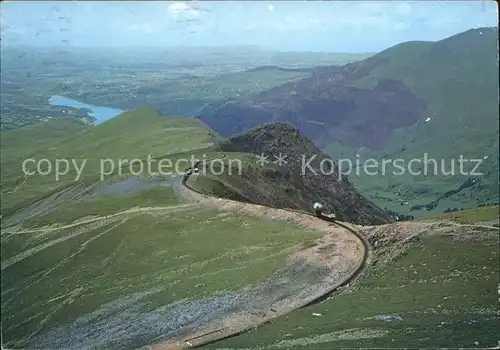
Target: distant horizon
{"points": [[283, 26], [65, 48], [62, 48]]}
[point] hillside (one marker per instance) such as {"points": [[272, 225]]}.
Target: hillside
{"points": [[458, 80], [438, 98], [20, 143], [291, 185], [106, 268], [165, 184], [319, 105], [95, 262], [433, 286], [103, 264], [129, 137]]}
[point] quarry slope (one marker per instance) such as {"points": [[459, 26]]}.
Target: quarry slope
{"points": [[360, 104]]}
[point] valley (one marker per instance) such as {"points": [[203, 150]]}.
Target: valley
{"points": [[174, 86], [414, 101]]}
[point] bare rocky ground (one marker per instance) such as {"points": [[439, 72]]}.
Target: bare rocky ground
{"points": [[124, 323]]}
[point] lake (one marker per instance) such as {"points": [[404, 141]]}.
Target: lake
{"points": [[100, 113]]}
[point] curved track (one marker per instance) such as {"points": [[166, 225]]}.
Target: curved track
{"points": [[220, 334]]}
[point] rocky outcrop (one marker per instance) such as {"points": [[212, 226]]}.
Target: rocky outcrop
{"points": [[308, 176]]}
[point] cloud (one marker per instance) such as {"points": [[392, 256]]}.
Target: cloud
{"points": [[371, 8], [144, 28], [178, 7], [182, 12], [303, 23], [403, 9], [10, 30], [324, 25], [401, 26]]}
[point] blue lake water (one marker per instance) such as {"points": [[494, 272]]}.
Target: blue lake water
{"points": [[100, 113]]}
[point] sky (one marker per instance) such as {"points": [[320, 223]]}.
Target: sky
{"points": [[330, 26]]}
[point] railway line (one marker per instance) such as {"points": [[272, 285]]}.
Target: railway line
{"points": [[228, 332]]}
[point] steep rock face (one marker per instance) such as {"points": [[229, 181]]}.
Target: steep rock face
{"points": [[326, 107], [308, 175]]}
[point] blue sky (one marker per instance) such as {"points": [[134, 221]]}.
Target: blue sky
{"points": [[336, 26]]}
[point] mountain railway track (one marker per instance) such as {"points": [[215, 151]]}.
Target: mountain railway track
{"points": [[227, 332]]}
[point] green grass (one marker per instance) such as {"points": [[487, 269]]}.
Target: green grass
{"points": [[52, 277], [174, 249], [457, 78], [21, 143], [472, 216], [444, 289], [227, 171], [135, 134], [104, 206]]}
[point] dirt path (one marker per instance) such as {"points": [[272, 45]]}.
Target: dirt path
{"points": [[342, 252]]}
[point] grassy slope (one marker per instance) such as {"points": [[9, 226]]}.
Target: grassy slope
{"points": [[445, 291], [52, 277], [458, 79], [136, 133], [164, 252], [477, 215], [108, 205], [76, 276], [132, 135], [21, 143]]}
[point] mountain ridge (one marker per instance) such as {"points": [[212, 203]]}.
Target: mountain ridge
{"points": [[414, 98], [304, 175]]}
